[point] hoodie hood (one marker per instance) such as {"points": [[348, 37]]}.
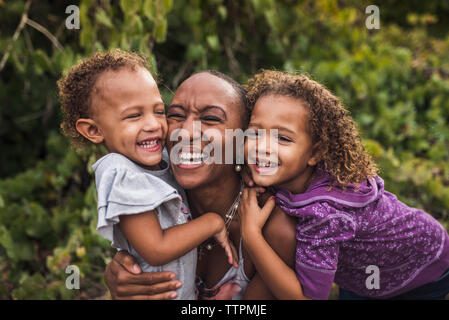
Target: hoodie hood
{"points": [[353, 197]]}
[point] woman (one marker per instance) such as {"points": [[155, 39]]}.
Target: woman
{"points": [[219, 103]]}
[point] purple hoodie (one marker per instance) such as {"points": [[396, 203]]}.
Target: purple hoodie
{"points": [[341, 233]]}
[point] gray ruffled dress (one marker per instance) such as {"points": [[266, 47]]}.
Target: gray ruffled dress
{"points": [[124, 187]]}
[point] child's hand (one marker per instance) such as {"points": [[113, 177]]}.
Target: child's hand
{"points": [[223, 240], [246, 176], [252, 217]]}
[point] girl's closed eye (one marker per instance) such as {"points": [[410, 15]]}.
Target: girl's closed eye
{"points": [[160, 112], [284, 139], [133, 116]]}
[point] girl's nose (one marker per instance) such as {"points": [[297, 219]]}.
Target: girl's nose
{"points": [[151, 124]]}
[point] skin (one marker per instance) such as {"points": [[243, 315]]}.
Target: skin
{"points": [[209, 187], [127, 110], [296, 155], [129, 118]]}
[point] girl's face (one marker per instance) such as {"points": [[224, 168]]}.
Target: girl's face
{"points": [[211, 103], [292, 149], [129, 113]]}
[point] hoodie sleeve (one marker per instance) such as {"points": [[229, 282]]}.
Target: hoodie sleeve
{"points": [[317, 250]]}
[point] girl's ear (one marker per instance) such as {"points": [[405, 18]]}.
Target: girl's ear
{"points": [[89, 129], [316, 156]]}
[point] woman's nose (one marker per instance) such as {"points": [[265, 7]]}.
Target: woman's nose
{"points": [[192, 129]]}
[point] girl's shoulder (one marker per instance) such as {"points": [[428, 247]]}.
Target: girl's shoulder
{"points": [[114, 161]]}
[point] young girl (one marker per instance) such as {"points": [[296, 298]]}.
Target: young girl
{"points": [[349, 229], [112, 99]]}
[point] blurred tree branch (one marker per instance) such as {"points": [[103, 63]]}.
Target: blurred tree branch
{"points": [[27, 21], [19, 28]]}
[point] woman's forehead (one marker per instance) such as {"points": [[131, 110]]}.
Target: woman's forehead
{"points": [[205, 89]]}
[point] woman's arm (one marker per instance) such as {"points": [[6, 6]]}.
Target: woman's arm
{"points": [[158, 247], [270, 258], [125, 280]]}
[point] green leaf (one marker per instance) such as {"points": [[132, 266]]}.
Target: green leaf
{"points": [[161, 30], [103, 18], [167, 6], [213, 42], [41, 61], [223, 12], [129, 7], [149, 9]]}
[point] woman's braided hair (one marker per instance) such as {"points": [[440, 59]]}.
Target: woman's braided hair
{"points": [[75, 89], [341, 150]]}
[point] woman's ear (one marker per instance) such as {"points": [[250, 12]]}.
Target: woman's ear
{"points": [[89, 129], [316, 155]]}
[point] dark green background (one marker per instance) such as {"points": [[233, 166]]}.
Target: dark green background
{"points": [[395, 82]]}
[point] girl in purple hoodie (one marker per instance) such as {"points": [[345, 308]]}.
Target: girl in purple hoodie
{"points": [[349, 229]]}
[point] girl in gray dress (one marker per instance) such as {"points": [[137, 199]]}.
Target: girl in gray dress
{"points": [[112, 99]]}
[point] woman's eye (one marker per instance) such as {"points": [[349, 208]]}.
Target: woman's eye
{"points": [[162, 112], [175, 115], [212, 119]]}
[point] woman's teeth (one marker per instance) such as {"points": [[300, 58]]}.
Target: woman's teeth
{"points": [[190, 158]]}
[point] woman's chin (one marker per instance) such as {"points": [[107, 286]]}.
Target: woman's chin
{"points": [[190, 177]]}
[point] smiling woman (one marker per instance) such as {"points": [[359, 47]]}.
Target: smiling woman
{"points": [[217, 103]]}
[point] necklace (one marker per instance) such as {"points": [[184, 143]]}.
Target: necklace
{"points": [[228, 219]]}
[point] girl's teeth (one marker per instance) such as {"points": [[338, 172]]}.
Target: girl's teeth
{"points": [[148, 144]]}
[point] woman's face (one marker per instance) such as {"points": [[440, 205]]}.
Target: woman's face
{"points": [[203, 107]]}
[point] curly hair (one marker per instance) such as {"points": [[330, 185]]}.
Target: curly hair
{"points": [[341, 150], [75, 88]]}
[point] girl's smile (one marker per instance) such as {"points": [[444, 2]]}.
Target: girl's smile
{"points": [[287, 159], [130, 116]]}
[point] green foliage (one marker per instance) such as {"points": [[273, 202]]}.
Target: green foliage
{"points": [[395, 82]]}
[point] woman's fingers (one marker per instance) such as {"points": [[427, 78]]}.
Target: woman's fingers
{"points": [[127, 261], [162, 296], [147, 285], [130, 291]]}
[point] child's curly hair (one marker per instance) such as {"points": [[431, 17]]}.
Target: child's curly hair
{"points": [[75, 89], [341, 150]]}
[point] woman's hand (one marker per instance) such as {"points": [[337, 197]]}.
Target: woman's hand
{"points": [[222, 239], [252, 217], [125, 280]]}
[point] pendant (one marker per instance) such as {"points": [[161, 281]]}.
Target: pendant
{"points": [[209, 246]]}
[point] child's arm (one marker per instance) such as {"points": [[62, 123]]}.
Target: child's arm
{"points": [[158, 247], [277, 275]]}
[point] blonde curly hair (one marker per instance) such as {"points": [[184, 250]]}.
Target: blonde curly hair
{"points": [[75, 88], [341, 150]]}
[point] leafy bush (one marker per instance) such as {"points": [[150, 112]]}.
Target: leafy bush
{"points": [[395, 82]]}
